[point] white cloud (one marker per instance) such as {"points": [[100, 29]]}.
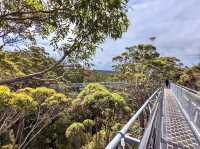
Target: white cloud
{"points": [[175, 23]]}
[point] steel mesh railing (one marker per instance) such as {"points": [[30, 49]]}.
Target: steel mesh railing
{"points": [[120, 138], [189, 102], [152, 136]]}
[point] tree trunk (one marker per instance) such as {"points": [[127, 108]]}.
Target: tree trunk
{"points": [[141, 117], [142, 123]]}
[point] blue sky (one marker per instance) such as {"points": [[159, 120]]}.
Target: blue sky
{"points": [[175, 23]]}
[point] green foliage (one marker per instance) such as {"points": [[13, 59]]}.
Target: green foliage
{"points": [[97, 109], [184, 78], [98, 76], [26, 61], [55, 99], [74, 129], [32, 59], [190, 77], [5, 97], [23, 102], [142, 63], [29, 98], [88, 123], [91, 88], [116, 127], [75, 133], [42, 93], [135, 64], [97, 144], [29, 106], [35, 4], [4, 89], [7, 67], [74, 75], [97, 99], [26, 90], [168, 67], [127, 109]]}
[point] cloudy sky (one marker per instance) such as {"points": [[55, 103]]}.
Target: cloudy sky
{"points": [[175, 23]]}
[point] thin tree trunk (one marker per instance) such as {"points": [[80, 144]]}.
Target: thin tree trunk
{"points": [[142, 123]]}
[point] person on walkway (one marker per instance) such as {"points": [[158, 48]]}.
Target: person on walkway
{"points": [[167, 83]]}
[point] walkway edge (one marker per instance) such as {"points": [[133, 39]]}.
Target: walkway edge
{"points": [[197, 134]]}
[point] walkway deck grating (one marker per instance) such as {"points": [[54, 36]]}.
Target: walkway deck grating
{"points": [[177, 133]]}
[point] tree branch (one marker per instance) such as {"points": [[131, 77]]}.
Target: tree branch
{"points": [[22, 78], [20, 13], [17, 79]]}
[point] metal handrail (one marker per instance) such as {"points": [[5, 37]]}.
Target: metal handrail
{"points": [[145, 139], [152, 133], [116, 140], [190, 105], [189, 89], [192, 93]]}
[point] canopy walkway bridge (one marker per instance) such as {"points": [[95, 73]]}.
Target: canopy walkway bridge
{"points": [[174, 121], [113, 85]]}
